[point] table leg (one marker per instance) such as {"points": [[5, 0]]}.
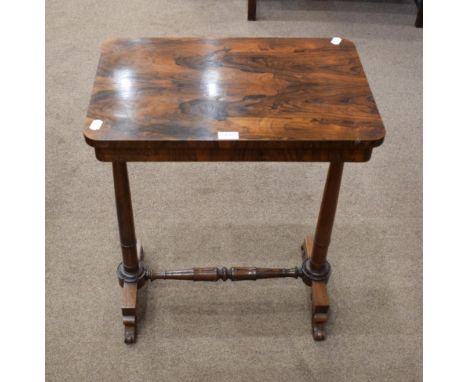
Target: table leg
{"points": [[315, 251], [315, 269], [251, 10], [131, 272]]}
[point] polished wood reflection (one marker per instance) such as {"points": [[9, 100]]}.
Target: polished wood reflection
{"points": [[287, 99], [292, 99]]}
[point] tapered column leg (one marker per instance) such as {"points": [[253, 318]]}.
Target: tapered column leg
{"points": [[130, 272], [315, 251]]}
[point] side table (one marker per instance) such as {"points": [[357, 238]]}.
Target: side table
{"points": [[231, 100]]}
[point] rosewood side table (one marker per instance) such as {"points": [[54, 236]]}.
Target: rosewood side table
{"points": [[233, 99]]}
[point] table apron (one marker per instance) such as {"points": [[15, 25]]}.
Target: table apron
{"points": [[266, 155]]}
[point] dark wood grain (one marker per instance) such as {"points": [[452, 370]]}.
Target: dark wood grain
{"points": [[320, 309], [123, 202], [129, 311], [233, 274], [290, 99], [326, 216], [314, 251]]}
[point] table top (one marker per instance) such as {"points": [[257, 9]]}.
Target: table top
{"points": [[254, 94]]}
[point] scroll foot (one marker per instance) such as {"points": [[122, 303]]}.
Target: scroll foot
{"points": [[129, 330], [320, 308], [129, 304]]}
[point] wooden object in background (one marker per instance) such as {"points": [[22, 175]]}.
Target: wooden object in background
{"points": [[419, 17], [252, 12], [232, 99]]}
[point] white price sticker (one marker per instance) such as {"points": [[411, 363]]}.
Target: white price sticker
{"points": [[228, 135]]}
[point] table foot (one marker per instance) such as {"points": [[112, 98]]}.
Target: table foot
{"points": [[130, 329], [320, 308], [130, 283], [129, 307], [319, 295]]}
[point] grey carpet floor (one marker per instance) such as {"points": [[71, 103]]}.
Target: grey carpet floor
{"points": [[234, 214]]}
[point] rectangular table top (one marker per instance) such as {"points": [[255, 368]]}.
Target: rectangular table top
{"points": [[232, 99]]}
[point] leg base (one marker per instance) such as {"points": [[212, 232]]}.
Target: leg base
{"points": [[129, 331], [138, 277], [317, 280], [129, 307], [312, 273], [319, 295], [130, 283], [320, 308]]}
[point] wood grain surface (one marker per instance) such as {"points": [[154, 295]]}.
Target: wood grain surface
{"points": [[287, 98]]}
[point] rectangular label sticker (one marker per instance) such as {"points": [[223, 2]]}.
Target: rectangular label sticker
{"points": [[228, 135]]}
